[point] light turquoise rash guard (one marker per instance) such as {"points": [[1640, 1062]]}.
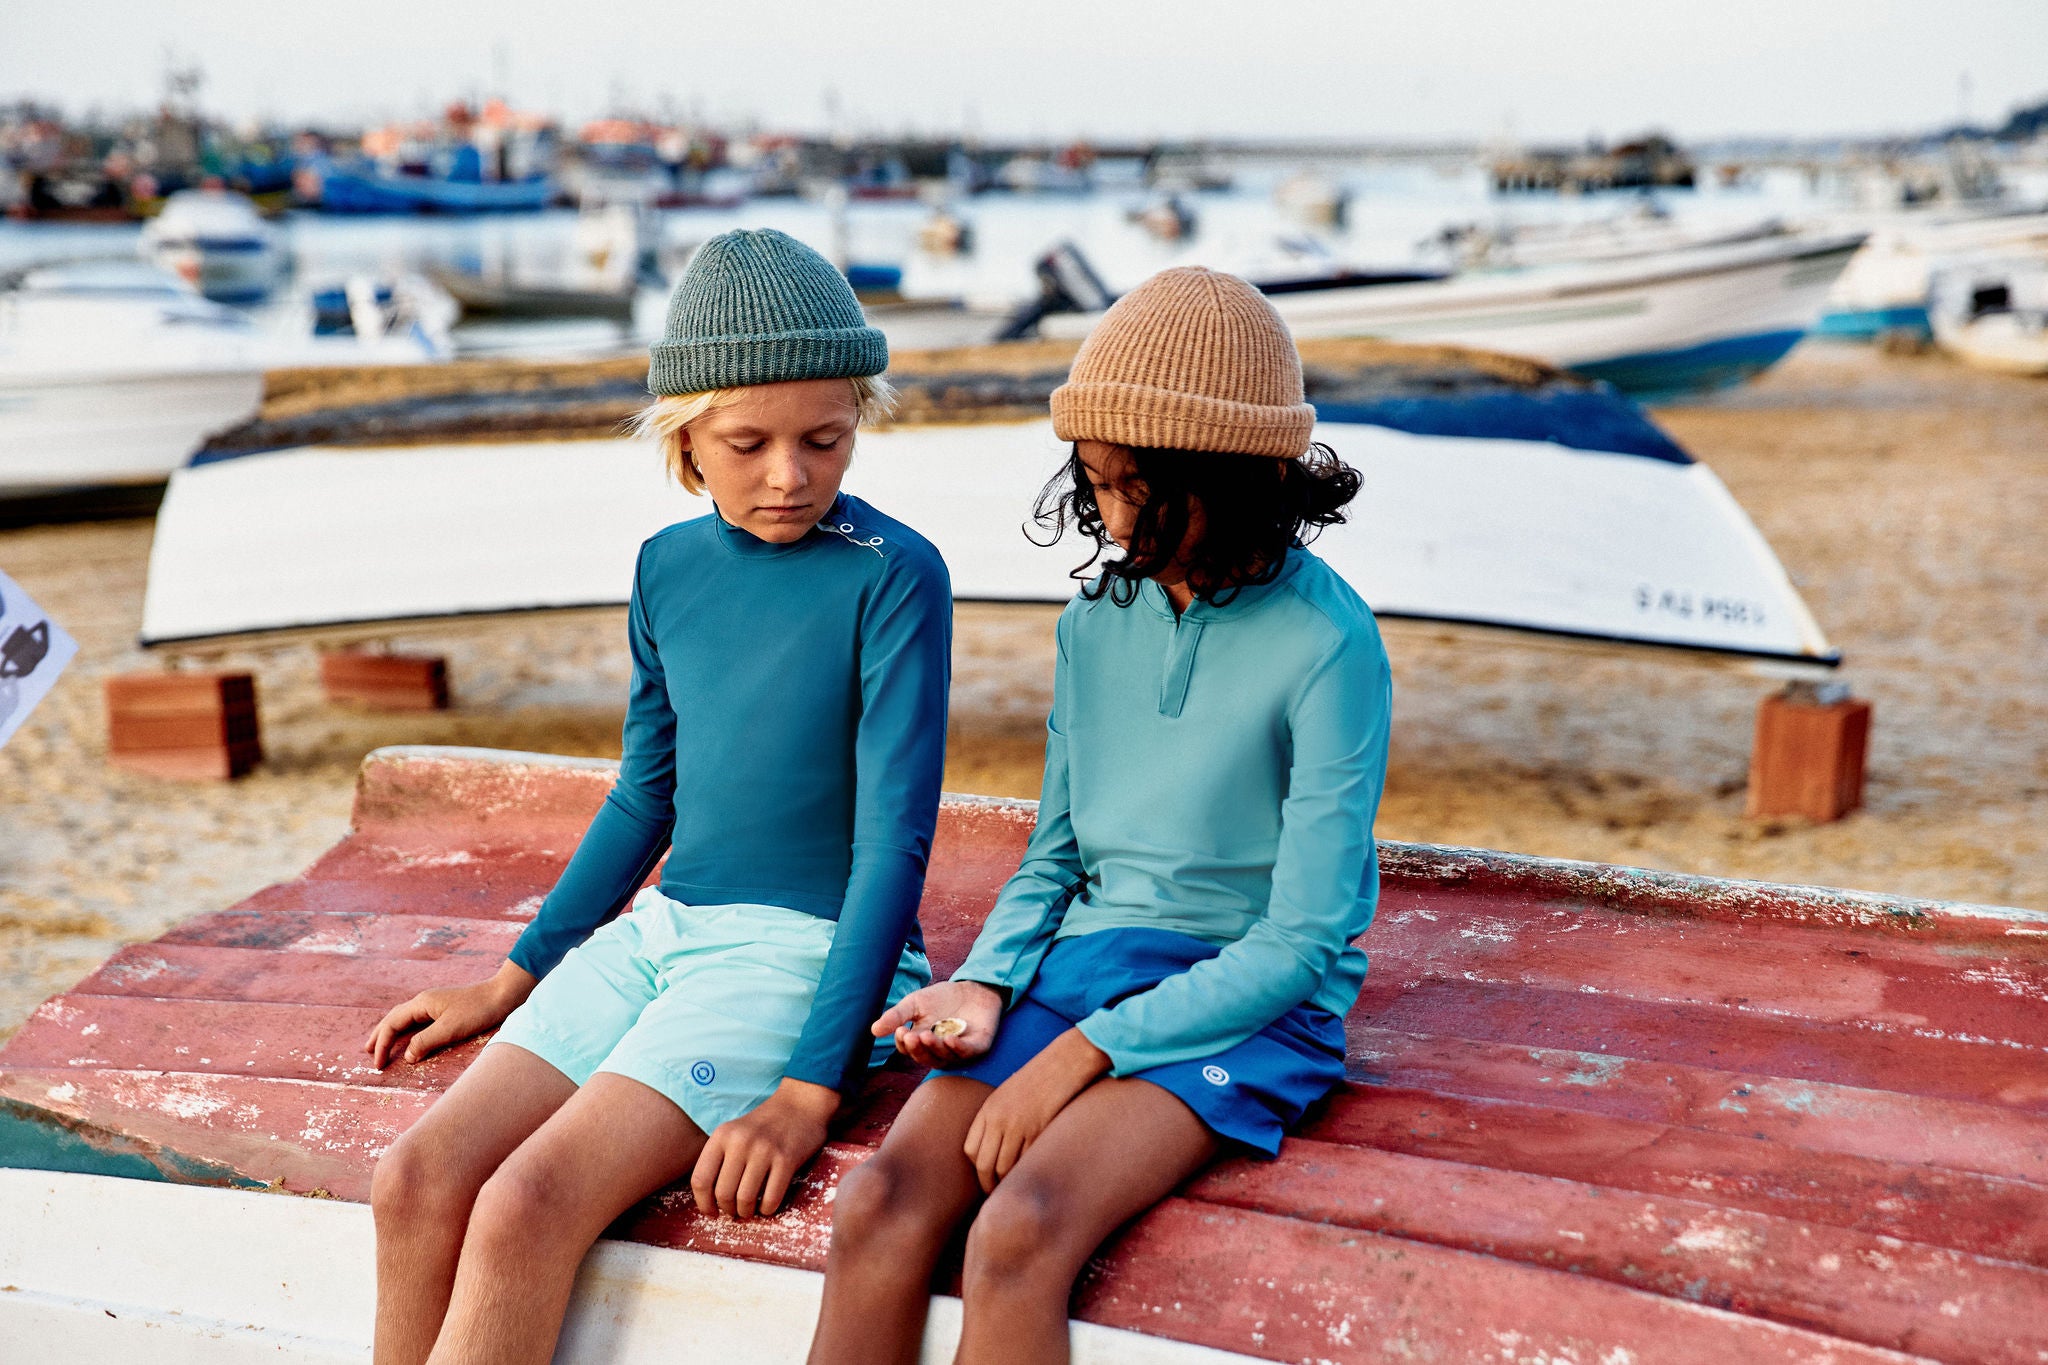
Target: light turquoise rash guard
{"points": [[1216, 774], [786, 733]]}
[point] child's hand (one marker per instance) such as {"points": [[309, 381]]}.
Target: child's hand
{"points": [[747, 1165], [1012, 1118], [978, 1007], [450, 1013]]}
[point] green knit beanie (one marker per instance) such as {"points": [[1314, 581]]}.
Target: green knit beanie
{"points": [[757, 306]]}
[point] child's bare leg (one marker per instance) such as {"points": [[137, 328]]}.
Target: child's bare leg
{"points": [[890, 1220], [424, 1186], [616, 1142], [1118, 1149]]}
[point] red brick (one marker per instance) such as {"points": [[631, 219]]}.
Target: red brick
{"points": [[179, 694], [183, 725], [386, 682], [218, 762], [1808, 759]]}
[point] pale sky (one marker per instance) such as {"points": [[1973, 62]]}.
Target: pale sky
{"points": [[1538, 69]]}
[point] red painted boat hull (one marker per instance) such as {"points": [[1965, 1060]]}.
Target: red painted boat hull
{"points": [[1597, 1114]]}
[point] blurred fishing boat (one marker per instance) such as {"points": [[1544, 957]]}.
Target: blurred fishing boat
{"points": [[365, 189], [504, 296], [1503, 494], [610, 259], [1884, 290], [113, 373], [1654, 326], [1313, 200], [1994, 315], [217, 242], [488, 160], [1594, 1113]]}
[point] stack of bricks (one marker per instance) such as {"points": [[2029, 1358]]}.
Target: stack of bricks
{"points": [[386, 682], [183, 725]]}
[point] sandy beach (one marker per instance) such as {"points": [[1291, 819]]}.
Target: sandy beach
{"points": [[1904, 494]]}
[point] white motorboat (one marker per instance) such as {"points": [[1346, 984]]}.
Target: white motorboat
{"points": [[216, 241], [1885, 288], [1994, 314], [113, 373], [1671, 323]]}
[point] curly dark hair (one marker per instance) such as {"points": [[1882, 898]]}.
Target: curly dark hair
{"points": [[1255, 509]]}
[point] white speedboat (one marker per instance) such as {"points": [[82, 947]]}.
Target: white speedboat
{"points": [[1994, 315], [113, 373], [1885, 288], [1672, 323], [217, 242]]}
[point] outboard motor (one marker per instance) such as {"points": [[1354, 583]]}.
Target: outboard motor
{"points": [[1066, 284]]}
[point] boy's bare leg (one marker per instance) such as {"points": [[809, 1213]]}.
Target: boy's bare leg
{"points": [[614, 1143], [424, 1186], [891, 1218], [1120, 1147]]}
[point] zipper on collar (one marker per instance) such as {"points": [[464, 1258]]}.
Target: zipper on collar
{"points": [[1180, 664]]}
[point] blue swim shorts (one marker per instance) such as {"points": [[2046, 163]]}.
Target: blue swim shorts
{"points": [[1249, 1094], [703, 1003]]}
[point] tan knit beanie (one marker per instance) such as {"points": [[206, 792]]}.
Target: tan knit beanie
{"points": [[1192, 359]]}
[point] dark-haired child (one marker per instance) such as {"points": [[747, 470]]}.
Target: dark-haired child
{"points": [[1167, 973]]}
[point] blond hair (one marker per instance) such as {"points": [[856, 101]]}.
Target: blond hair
{"points": [[665, 419]]}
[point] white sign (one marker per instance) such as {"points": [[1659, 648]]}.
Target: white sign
{"points": [[33, 651]]}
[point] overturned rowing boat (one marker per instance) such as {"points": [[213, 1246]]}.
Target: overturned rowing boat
{"points": [[1595, 1114], [1496, 493]]}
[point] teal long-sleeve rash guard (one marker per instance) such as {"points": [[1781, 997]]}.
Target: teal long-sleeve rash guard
{"points": [[1215, 772], [785, 738]]}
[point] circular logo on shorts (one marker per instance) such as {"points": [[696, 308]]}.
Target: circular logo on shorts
{"points": [[1215, 1075], [703, 1073]]}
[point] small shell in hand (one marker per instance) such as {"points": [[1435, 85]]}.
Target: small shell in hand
{"points": [[949, 1028]]}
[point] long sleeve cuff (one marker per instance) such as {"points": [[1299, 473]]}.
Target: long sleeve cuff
{"points": [[867, 946]]}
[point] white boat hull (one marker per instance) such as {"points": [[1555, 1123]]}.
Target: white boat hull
{"points": [[63, 433], [1997, 342], [103, 388], [96, 1270], [1689, 319], [1886, 285], [1517, 533]]}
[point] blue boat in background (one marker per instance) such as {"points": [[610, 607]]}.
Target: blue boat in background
{"points": [[365, 187]]}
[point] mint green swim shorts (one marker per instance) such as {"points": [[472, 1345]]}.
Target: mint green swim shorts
{"points": [[703, 1003]]}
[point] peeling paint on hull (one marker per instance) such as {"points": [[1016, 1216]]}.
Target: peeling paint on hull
{"points": [[1597, 1114]]}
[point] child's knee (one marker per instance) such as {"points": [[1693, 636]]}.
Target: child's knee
{"points": [[880, 1194], [518, 1202], [408, 1184], [1017, 1235]]}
